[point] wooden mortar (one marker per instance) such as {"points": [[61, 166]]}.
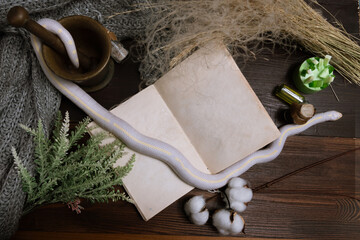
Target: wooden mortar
{"points": [[93, 41]]}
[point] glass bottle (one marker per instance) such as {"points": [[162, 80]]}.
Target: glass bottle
{"points": [[288, 94]]}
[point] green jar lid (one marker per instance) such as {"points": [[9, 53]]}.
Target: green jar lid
{"points": [[314, 74]]}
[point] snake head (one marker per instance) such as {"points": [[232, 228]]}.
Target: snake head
{"points": [[333, 115]]}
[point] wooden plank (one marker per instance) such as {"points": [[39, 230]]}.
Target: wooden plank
{"points": [[109, 236], [264, 83], [317, 203], [300, 151], [320, 202], [277, 68], [307, 203], [299, 215]]}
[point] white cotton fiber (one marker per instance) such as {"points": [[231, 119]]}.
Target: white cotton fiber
{"points": [[237, 182], [194, 205], [237, 226], [195, 209], [221, 219], [238, 206], [238, 194], [200, 218], [224, 223], [223, 232]]}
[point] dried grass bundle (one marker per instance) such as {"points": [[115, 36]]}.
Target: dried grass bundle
{"points": [[176, 28]]}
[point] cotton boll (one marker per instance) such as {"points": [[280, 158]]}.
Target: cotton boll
{"points": [[195, 209], [200, 218], [228, 222], [221, 219], [238, 206], [223, 232], [237, 183], [238, 194], [195, 204], [238, 225]]}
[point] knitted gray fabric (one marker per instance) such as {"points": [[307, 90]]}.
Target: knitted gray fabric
{"points": [[25, 93]]}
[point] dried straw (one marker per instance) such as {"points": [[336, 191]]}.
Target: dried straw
{"points": [[177, 28]]}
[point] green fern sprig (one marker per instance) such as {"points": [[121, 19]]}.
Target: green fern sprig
{"points": [[67, 170], [29, 182]]}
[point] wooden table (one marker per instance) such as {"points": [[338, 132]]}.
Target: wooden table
{"points": [[310, 191]]}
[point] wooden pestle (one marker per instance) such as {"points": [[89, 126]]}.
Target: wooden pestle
{"points": [[19, 17]]}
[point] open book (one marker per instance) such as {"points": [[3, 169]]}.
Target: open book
{"points": [[206, 109]]}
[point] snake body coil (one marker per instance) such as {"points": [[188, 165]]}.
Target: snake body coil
{"points": [[158, 149]]}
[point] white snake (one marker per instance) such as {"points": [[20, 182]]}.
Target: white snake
{"points": [[153, 147]]}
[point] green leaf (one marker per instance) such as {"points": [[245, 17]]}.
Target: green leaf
{"points": [[321, 63], [28, 182], [67, 170], [324, 73], [315, 84], [79, 132], [57, 127], [325, 85], [303, 73], [331, 68], [311, 64]]}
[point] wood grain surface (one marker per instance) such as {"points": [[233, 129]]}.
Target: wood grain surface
{"points": [[311, 191]]}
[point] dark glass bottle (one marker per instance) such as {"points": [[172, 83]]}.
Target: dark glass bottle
{"points": [[288, 95]]}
